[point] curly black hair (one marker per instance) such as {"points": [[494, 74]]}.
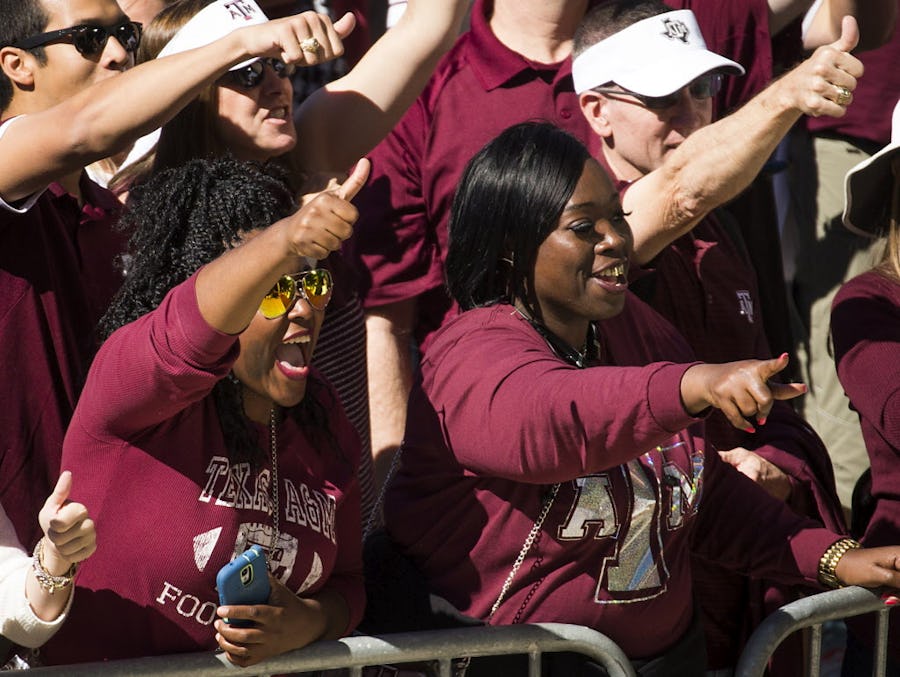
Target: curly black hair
{"points": [[180, 220]]}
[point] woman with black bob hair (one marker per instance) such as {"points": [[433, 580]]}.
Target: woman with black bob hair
{"points": [[202, 419], [523, 202], [554, 467]]}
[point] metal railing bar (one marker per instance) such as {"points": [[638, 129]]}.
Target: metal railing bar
{"points": [[364, 650], [815, 650], [804, 613]]}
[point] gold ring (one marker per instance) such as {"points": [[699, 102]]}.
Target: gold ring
{"points": [[843, 97], [310, 45]]}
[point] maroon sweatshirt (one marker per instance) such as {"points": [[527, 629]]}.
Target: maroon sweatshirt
{"points": [[498, 418], [171, 508]]}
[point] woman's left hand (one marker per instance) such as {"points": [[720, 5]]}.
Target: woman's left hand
{"points": [[287, 622], [870, 567]]}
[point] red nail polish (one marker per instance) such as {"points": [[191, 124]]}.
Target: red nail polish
{"points": [[889, 599], [750, 429], [782, 356], [761, 421]]}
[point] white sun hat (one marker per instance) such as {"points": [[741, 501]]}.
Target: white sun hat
{"points": [[867, 187], [654, 57]]}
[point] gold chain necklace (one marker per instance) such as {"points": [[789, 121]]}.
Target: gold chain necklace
{"points": [[273, 438]]}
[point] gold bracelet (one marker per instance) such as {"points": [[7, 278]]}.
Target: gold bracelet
{"points": [[830, 559], [48, 581]]}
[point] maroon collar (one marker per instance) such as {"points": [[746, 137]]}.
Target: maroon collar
{"points": [[493, 63]]}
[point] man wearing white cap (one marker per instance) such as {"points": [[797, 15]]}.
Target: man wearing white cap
{"points": [[65, 102], [645, 82]]}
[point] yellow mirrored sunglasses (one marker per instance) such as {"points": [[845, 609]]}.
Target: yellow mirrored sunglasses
{"points": [[316, 286]]}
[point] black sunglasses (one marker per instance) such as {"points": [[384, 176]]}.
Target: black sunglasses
{"points": [[704, 87], [89, 40], [252, 75]]}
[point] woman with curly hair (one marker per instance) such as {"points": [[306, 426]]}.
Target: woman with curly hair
{"points": [[249, 113], [202, 429]]}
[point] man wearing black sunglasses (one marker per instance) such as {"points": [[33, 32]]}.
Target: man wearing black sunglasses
{"points": [[69, 96], [645, 82]]}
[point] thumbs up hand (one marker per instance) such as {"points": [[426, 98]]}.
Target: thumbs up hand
{"points": [[69, 533], [824, 83], [326, 219]]}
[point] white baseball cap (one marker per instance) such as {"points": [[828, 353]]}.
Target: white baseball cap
{"points": [[654, 57], [215, 21], [867, 187]]}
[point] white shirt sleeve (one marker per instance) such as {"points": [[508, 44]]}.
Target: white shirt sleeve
{"points": [[18, 623], [27, 203]]}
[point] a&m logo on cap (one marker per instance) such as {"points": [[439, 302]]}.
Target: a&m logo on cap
{"points": [[675, 29], [241, 10]]}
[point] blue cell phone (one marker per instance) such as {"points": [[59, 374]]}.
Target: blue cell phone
{"points": [[244, 580]]}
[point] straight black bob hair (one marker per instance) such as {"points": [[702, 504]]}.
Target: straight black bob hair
{"points": [[509, 200]]}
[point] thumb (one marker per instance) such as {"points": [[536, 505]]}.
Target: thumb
{"points": [[345, 25], [734, 456], [774, 366], [61, 491], [728, 457], [849, 35], [348, 190]]}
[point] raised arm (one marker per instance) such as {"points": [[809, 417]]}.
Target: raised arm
{"points": [[104, 118], [718, 161], [348, 117], [249, 271], [69, 538], [876, 18]]}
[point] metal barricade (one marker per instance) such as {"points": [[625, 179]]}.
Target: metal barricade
{"points": [[357, 652], [811, 612]]}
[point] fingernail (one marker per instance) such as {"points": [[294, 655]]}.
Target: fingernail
{"points": [[750, 429], [761, 421], [783, 355], [890, 599]]}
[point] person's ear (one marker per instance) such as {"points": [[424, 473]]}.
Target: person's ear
{"points": [[594, 108], [18, 65]]}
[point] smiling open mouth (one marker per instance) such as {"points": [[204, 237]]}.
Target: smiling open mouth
{"points": [[615, 275]]}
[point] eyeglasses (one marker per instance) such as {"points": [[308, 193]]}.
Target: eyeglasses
{"points": [[252, 75], [704, 87], [89, 40], [316, 286]]}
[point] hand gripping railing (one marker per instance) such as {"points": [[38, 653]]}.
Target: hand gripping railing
{"points": [[811, 612], [356, 652]]}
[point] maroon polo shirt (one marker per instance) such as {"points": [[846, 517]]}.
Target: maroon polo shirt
{"points": [[479, 89], [57, 275]]}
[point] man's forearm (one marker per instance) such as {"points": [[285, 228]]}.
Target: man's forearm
{"points": [[717, 162], [373, 96]]}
